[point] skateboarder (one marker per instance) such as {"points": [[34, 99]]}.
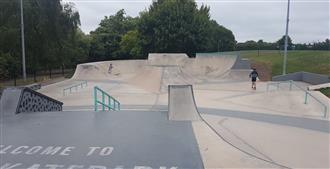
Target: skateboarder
{"points": [[110, 68], [254, 75]]}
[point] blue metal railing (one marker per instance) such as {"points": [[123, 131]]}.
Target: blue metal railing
{"points": [[76, 86], [307, 93], [107, 101]]}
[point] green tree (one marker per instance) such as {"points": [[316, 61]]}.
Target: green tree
{"points": [[105, 43], [50, 32], [179, 26], [8, 67], [281, 43], [130, 45]]}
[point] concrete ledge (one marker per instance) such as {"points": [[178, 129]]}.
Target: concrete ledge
{"points": [[23, 99], [34, 86], [320, 86], [311, 78]]}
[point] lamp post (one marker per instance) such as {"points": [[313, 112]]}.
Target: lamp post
{"points": [[23, 42], [286, 40]]}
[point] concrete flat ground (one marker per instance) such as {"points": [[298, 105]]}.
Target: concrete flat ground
{"points": [[241, 127]]}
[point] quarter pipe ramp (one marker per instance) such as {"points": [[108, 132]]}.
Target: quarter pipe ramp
{"points": [[181, 103]]}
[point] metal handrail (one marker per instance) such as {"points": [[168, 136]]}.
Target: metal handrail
{"points": [[307, 93], [82, 84], [278, 84], [111, 104], [324, 105]]}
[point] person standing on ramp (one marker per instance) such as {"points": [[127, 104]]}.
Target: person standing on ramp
{"points": [[254, 75], [110, 68]]}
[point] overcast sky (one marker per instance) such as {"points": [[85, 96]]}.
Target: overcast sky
{"points": [[248, 19]]}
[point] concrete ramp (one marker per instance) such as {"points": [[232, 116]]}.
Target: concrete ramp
{"points": [[181, 103], [167, 59], [23, 99], [100, 70]]}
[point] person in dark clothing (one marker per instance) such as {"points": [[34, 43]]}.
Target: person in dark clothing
{"points": [[254, 75], [110, 68]]}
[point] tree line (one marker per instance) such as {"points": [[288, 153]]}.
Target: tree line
{"points": [[172, 26], [54, 39], [279, 45]]}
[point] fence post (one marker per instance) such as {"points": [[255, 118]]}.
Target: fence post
{"points": [[95, 99], [109, 103], [325, 112], [103, 102]]}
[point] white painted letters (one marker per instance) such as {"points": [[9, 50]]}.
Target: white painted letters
{"points": [[97, 167], [66, 151], [75, 167], [3, 151], [33, 150], [34, 166], [54, 166], [92, 149], [142, 167], [18, 149], [10, 166], [50, 150], [106, 151]]}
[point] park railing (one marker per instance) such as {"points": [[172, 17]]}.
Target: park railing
{"points": [[290, 85], [106, 101], [281, 85], [75, 87]]}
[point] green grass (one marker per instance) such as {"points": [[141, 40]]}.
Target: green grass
{"points": [[325, 91], [309, 61]]}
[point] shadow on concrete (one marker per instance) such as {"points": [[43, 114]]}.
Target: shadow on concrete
{"points": [[299, 122]]}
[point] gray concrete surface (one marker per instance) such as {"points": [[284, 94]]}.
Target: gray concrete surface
{"points": [[10, 101], [109, 139], [181, 103], [299, 122], [241, 63], [311, 78]]}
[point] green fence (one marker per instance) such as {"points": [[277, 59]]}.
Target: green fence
{"points": [[107, 102]]}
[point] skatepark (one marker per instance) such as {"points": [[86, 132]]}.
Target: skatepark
{"points": [[172, 112]]}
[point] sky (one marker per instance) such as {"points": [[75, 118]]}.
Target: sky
{"points": [[248, 19]]}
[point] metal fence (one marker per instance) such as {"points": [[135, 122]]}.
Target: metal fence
{"points": [[106, 101], [292, 86]]}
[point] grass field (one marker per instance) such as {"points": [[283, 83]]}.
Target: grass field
{"points": [[325, 91], [309, 61]]}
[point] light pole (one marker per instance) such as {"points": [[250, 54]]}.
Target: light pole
{"points": [[23, 42], [286, 40]]}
